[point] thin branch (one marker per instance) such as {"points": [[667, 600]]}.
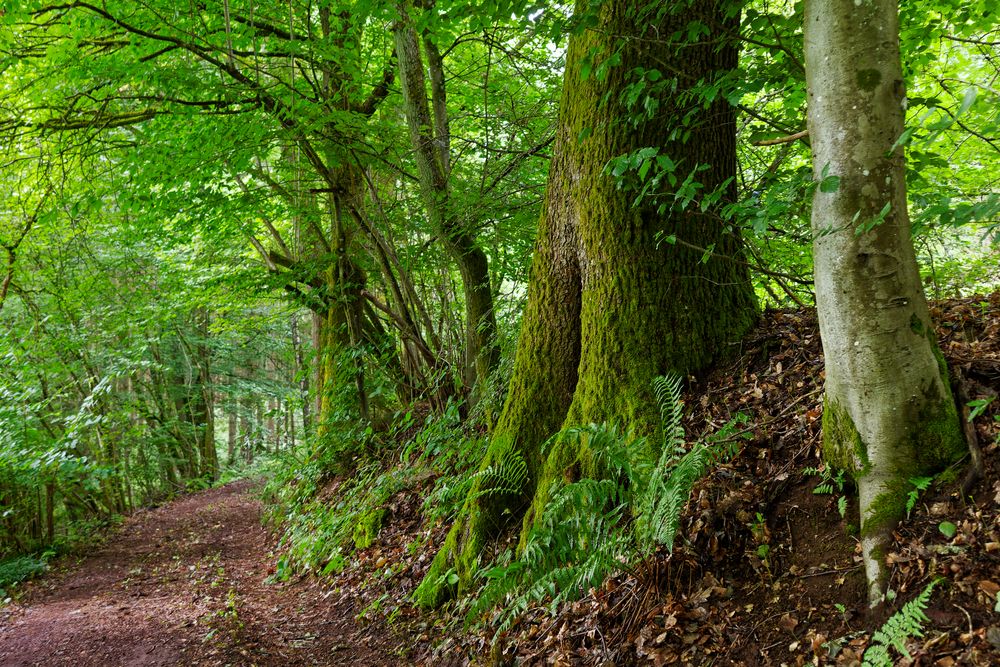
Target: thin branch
{"points": [[782, 140], [968, 40]]}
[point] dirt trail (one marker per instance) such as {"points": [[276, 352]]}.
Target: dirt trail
{"points": [[183, 584]]}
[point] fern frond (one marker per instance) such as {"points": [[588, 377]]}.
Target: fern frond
{"points": [[582, 535], [902, 626], [667, 494], [507, 474], [577, 542], [667, 390]]}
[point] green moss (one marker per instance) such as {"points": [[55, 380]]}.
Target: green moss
{"points": [[933, 442], [936, 440], [886, 510], [843, 447], [868, 79], [568, 459], [942, 363], [457, 562], [367, 528], [435, 589]]}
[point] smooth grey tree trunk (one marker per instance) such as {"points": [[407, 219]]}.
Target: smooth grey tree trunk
{"points": [[888, 415]]}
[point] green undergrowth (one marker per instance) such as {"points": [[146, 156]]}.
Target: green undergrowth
{"points": [[75, 538], [326, 513], [265, 465], [903, 626], [593, 528], [589, 529], [21, 568]]}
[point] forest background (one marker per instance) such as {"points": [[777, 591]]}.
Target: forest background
{"points": [[300, 235]]}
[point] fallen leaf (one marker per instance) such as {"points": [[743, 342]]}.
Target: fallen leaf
{"points": [[787, 623]]}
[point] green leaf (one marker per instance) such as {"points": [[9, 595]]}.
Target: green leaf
{"points": [[830, 184], [904, 138], [947, 529], [644, 169], [705, 256], [978, 406], [967, 100]]}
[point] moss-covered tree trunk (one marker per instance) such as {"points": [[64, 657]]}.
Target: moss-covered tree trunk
{"points": [[341, 363], [610, 304], [429, 136], [888, 413]]}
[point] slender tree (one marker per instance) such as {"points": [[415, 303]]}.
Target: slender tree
{"points": [[888, 414], [430, 139]]}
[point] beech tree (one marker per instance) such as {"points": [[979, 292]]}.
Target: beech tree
{"points": [[612, 303], [888, 414]]}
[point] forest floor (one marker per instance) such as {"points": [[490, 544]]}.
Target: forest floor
{"points": [[184, 584], [768, 571]]}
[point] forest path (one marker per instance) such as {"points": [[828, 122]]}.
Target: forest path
{"points": [[183, 584]]}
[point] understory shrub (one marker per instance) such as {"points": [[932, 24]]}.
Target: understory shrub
{"points": [[326, 514], [15, 570]]}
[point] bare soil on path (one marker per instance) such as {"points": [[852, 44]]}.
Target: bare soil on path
{"points": [[184, 584]]}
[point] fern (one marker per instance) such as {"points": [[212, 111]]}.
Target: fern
{"points": [[20, 568], [583, 533], [902, 626], [660, 505], [919, 484], [667, 390], [507, 474], [576, 543]]}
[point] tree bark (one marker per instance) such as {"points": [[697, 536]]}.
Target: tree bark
{"points": [[609, 306], [203, 408], [429, 137], [231, 435], [300, 372], [888, 413]]}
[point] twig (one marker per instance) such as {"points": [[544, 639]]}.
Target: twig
{"points": [[967, 616], [782, 140], [826, 572], [976, 470]]}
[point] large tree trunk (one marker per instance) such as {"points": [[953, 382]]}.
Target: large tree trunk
{"points": [[888, 414], [609, 306]]}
